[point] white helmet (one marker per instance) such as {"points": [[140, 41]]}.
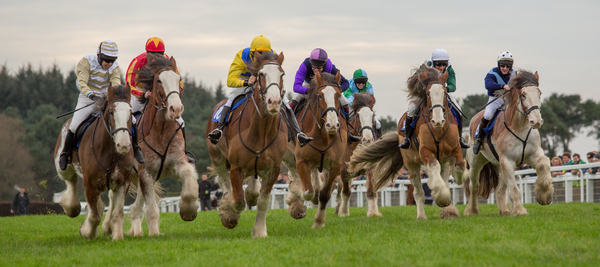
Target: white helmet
{"points": [[440, 54], [108, 48], [507, 56]]}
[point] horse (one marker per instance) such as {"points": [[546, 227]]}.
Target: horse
{"points": [[163, 146], [105, 162], [516, 140], [320, 119], [436, 147], [255, 144], [362, 124]]}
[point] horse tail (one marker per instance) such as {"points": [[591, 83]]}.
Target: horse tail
{"points": [[384, 155], [488, 180], [159, 189]]}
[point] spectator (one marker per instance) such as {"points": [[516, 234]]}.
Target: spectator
{"points": [[428, 197], [280, 179], [556, 161], [204, 189], [594, 159], [525, 167], [576, 160], [20, 203], [215, 200], [566, 158]]}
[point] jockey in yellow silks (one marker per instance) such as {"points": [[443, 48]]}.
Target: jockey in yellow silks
{"points": [[155, 46], [240, 78]]}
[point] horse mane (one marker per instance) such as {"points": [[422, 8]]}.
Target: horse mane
{"points": [[145, 75], [417, 88], [267, 55], [361, 100], [120, 92], [312, 95], [516, 83]]}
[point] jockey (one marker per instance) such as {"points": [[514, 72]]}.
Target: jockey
{"points": [[94, 74], [156, 47], [240, 78], [360, 84], [318, 61], [496, 79], [440, 61]]}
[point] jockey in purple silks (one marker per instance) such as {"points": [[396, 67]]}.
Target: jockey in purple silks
{"points": [[318, 61]]}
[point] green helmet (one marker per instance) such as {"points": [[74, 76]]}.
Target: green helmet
{"points": [[360, 74]]}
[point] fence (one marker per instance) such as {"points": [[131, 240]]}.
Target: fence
{"points": [[567, 188]]}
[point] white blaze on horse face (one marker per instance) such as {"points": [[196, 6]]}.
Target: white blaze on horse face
{"points": [[122, 115], [170, 82], [437, 94], [331, 118], [272, 75], [365, 116], [533, 98]]}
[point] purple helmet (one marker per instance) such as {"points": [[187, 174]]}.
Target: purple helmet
{"points": [[318, 57]]}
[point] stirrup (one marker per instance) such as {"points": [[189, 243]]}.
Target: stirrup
{"points": [[191, 160], [137, 154], [463, 144], [405, 143], [477, 146], [215, 136], [303, 139]]}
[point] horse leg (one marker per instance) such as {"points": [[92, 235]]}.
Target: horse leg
{"points": [[373, 209], [317, 182], [508, 175], [414, 174], [89, 227], [344, 193], [439, 191], [106, 224], [500, 194], [252, 191], [543, 184], [233, 203], [303, 169], [152, 211], [449, 211], [325, 194], [296, 208], [70, 202], [188, 205], [264, 199], [338, 195], [137, 212], [118, 217], [477, 163]]}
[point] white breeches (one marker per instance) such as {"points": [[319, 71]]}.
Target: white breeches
{"points": [[80, 115], [492, 107]]}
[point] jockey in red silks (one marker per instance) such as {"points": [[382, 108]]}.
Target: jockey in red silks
{"points": [[319, 61], [155, 46], [239, 79]]}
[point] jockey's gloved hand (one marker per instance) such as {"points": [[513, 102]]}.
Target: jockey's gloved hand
{"points": [[99, 100]]}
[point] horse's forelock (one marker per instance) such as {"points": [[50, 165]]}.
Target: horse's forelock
{"points": [[146, 74], [523, 77], [360, 100], [313, 91], [417, 86], [120, 92], [265, 56]]}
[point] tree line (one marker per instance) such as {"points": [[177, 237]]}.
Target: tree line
{"points": [[31, 99]]}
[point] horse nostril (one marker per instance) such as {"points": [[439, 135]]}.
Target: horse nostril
{"points": [[269, 101], [338, 125]]}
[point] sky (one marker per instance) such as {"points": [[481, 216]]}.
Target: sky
{"points": [[559, 39]]}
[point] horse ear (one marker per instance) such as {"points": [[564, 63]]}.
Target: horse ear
{"points": [[280, 58], [257, 56], [444, 77], [536, 76], [318, 77], [128, 88], [173, 62], [338, 77]]}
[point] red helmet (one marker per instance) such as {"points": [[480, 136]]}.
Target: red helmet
{"points": [[155, 44]]}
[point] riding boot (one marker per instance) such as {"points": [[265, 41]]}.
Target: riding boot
{"points": [[351, 137], [480, 136], [137, 152], [190, 159], [293, 104], [461, 140], [293, 126], [215, 135], [378, 132], [66, 152], [408, 131]]}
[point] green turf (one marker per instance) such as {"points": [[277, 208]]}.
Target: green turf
{"points": [[554, 235]]}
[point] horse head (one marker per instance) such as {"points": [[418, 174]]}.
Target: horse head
{"points": [[117, 117], [166, 87], [363, 108], [328, 92], [269, 83], [526, 97], [436, 96]]}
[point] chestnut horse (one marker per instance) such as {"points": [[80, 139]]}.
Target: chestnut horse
{"points": [[320, 119], [105, 162], [516, 140], [362, 124], [436, 148], [255, 144], [163, 146]]}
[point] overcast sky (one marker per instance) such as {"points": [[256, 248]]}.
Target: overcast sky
{"points": [[559, 39]]}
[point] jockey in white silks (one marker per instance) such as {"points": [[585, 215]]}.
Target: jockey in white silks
{"points": [[439, 60], [94, 73], [496, 79]]}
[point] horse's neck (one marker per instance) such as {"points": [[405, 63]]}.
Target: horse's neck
{"points": [[265, 126], [318, 132], [516, 121], [102, 141]]}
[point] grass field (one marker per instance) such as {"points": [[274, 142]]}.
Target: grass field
{"points": [[554, 235]]}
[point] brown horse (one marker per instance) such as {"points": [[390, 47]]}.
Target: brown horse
{"points": [[320, 119], [163, 146], [516, 140], [105, 161], [362, 124], [255, 144], [437, 148]]}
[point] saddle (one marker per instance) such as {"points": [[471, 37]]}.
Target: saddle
{"points": [[488, 131], [237, 102], [83, 127]]}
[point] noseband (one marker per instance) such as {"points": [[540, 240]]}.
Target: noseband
{"points": [[366, 127], [324, 112], [526, 113]]}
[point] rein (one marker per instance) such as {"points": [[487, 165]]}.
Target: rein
{"points": [[162, 101]]}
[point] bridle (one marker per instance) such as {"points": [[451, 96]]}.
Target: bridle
{"points": [[437, 141], [366, 127], [156, 82], [444, 111], [521, 95], [263, 91]]}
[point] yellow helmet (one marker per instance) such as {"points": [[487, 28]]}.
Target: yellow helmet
{"points": [[260, 44]]}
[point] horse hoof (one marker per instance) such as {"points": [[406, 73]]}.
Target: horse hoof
{"points": [[297, 210], [229, 219], [188, 217]]}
